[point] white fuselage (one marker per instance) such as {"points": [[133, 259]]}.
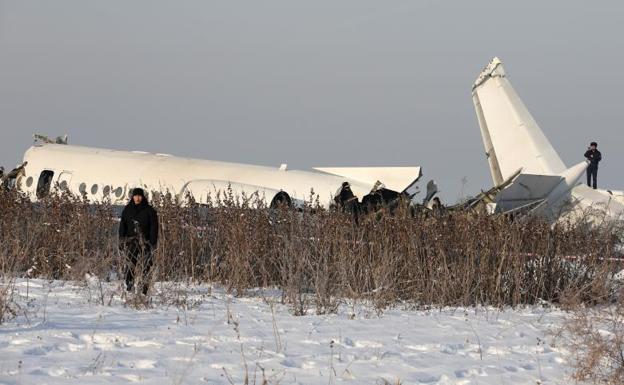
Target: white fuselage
{"points": [[102, 174]]}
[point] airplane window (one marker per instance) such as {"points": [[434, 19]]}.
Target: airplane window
{"points": [[82, 188], [118, 192], [94, 189], [44, 183], [29, 181], [63, 185], [106, 191]]}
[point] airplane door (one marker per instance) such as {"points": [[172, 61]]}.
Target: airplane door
{"points": [[64, 180], [44, 184]]}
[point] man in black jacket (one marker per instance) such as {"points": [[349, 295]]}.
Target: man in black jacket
{"points": [[594, 157], [138, 237]]}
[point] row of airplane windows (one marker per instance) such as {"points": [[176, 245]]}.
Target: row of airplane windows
{"points": [[45, 183]]}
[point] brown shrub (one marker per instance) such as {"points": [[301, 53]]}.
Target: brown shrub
{"points": [[317, 257], [595, 337]]}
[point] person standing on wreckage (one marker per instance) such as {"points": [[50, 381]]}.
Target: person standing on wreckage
{"points": [[594, 157], [138, 237]]}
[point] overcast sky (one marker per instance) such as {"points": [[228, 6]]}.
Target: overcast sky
{"points": [[315, 83]]}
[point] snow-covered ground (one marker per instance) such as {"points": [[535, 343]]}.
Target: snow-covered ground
{"points": [[62, 335]]}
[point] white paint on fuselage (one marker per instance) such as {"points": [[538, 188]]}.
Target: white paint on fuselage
{"points": [[93, 172]]}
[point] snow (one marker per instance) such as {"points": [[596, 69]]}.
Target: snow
{"points": [[62, 335]]}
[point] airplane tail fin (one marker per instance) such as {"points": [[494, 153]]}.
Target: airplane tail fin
{"points": [[511, 137]]}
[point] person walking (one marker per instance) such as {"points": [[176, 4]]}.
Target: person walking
{"points": [[594, 157], [138, 237]]}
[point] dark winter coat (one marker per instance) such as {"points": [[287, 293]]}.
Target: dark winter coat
{"points": [[594, 156], [139, 221]]}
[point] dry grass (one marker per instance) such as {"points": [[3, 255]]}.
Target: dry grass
{"points": [[7, 308], [318, 257], [595, 336]]}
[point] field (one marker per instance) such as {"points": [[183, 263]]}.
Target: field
{"points": [[65, 336], [243, 296]]}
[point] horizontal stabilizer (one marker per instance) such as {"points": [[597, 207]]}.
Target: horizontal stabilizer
{"points": [[396, 179], [526, 189]]}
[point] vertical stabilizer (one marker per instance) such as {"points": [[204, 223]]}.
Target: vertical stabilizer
{"points": [[490, 152], [511, 137]]}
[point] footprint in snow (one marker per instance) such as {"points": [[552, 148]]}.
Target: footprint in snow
{"points": [[367, 344], [74, 347], [290, 363], [426, 378], [57, 372], [38, 351], [472, 372], [140, 364]]}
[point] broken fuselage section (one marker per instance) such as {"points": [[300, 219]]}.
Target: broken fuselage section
{"points": [[102, 175]]}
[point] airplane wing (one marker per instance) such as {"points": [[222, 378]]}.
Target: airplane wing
{"points": [[511, 137], [396, 179]]}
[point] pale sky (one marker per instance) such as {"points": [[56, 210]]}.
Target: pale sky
{"points": [[316, 83]]}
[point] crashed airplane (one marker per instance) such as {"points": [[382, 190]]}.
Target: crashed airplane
{"points": [[98, 175], [529, 174]]}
